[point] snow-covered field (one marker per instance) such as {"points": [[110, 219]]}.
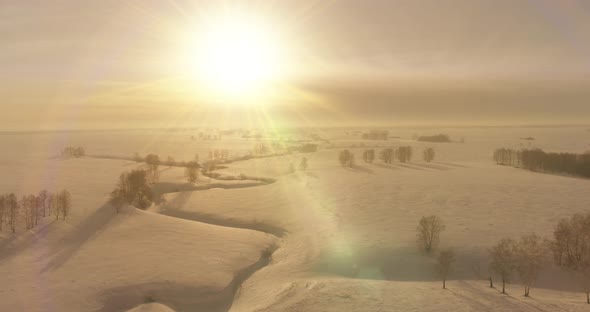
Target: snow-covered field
{"points": [[328, 239]]}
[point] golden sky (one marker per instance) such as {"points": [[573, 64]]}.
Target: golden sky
{"points": [[95, 64]]}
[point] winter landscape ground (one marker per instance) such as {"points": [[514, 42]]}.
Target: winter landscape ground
{"points": [[258, 236]]}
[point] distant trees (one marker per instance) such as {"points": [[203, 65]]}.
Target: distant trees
{"points": [[376, 135], [404, 154], [446, 259], [43, 200], [261, 149], [429, 154], [2, 210], [428, 232], [440, 138], [505, 156], [538, 160], [369, 155], [224, 153], [346, 158], [387, 155], [137, 157], [303, 164], [191, 172], [73, 151], [153, 162], [132, 188], [170, 161]]}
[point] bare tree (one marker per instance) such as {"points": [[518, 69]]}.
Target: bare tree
{"points": [[27, 209], [504, 260], [429, 229], [65, 203], [303, 164], [571, 248], [12, 205], [429, 154], [531, 258], [56, 205], [153, 162], [2, 210], [446, 259], [117, 199], [52, 204], [43, 201], [191, 172]]}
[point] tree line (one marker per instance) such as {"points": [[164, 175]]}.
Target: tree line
{"points": [[538, 160], [403, 154], [73, 151], [31, 208]]}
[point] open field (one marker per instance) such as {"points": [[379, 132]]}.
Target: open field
{"points": [[326, 239]]}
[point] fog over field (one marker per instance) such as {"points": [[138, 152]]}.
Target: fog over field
{"points": [[295, 155]]}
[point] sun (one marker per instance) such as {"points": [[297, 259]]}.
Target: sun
{"points": [[234, 55]]}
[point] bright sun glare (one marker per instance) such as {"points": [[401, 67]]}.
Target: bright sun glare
{"points": [[234, 55]]}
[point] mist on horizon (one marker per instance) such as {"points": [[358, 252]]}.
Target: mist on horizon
{"points": [[123, 64]]}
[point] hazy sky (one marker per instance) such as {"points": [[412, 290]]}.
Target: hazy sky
{"points": [[92, 64]]}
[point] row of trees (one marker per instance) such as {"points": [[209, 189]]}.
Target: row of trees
{"points": [[33, 207], [440, 138], [376, 135], [73, 151], [538, 160], [218, 154], [403, 154]]}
